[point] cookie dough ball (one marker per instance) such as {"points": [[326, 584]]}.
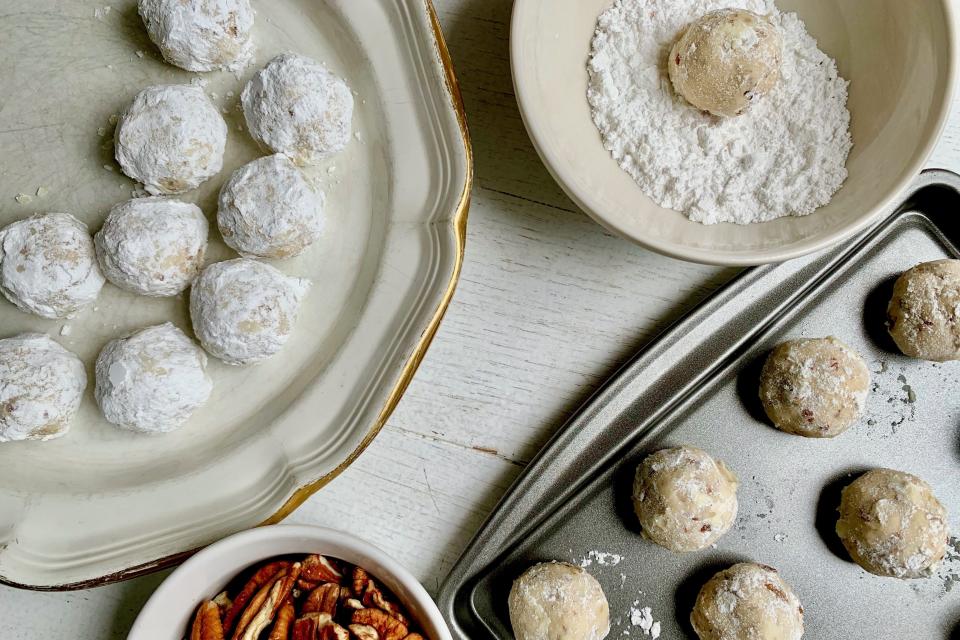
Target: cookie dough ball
{"points": [[152, 246], [747, 602], [201, 35], [924, 313], [269, 210], [243, 311], [815, 388], [41, 385], [726, 60], [152, 381], [48, 265], [296, 107], [558, 601], [685, 499], [892, 525], [171, 138]]}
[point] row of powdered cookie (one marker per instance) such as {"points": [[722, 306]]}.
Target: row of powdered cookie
{"points": [[153, 380]]}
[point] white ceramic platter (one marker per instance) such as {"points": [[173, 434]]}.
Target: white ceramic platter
{"points": [[101, 504], [898, 56]]}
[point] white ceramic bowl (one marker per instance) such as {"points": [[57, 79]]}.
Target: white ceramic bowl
{"points": [[898, 56], [168, 613]]}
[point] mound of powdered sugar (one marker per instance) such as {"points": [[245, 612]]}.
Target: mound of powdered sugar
{"points": [[785, 156]]}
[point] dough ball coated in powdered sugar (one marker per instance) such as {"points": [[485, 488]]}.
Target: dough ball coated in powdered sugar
{"points": [[152, 246], [924, 313], [747, 602], [48, 265], [558, 601], [892, 524], [243, 311], [41, 385], [725, 60], [269, 210], [153, 380], [296, 107], [171, 138], [201, 35], [684, 498], [815, 388]]}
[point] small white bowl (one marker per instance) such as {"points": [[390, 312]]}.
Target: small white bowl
{"points": [[898, 56], [169, 611]]}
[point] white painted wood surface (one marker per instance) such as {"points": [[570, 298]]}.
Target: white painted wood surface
{"points": [[548, 306]]}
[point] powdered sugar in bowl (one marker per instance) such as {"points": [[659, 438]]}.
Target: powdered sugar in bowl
{"points": [[897, 57]]}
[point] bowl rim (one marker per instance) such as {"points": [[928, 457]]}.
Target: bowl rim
{"points": [[551, 159], [254, 545]]}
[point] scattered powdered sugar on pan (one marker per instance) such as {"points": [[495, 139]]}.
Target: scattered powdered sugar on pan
{"points": [[785, 156], [642, 617], [602, 558]]}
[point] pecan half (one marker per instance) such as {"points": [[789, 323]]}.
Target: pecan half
{"points": [[282, 626], [323, 599], [264, 606], [308, 626], [318, 569], [373, 597], [360, 580], [353, 603], [333, 631], [388, 627], [224, 602], [261, 576], [207, 626], [364, 632], [414, 636]]}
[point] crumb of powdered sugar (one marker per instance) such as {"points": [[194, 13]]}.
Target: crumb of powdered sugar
{"points": [[780, 537], [23, 198], [642, 617], [786, 156], [101, 13], [601, 558]]}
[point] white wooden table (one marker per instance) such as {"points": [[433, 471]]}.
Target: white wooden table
{"points": [[547, 307]]}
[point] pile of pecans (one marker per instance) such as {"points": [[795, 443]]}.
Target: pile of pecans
{"points": [[314, 598]]}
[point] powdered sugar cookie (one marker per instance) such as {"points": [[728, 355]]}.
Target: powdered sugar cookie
{"points": [[296, 107], [201, 35], [171, 138], [41, 385], [558, 601], [243, 311], [48, 265], [152, 246], [269, 210]]}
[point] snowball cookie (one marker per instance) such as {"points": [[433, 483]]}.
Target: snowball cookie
{"points": [[815, 388], [171, 138], [558, 601], [747, 602], [48, 265], [685, 499], [296, 107], [892, 525], [924, 313], [201, 35], [152, 381], [243, 311], [152, 246], [269, 210], [41, 385], [725, 60]]}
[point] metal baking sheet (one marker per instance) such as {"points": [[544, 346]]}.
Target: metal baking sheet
{"points": [[697, 385]]}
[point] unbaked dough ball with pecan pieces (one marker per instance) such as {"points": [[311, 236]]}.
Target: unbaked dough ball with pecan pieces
{"points": [[726, 60], [924, 313], [558, 601], [41, 385], [152, 246], [684, 498], [892, 524], [48, 265], [815, 388], [244, 311], [747, 602]]}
